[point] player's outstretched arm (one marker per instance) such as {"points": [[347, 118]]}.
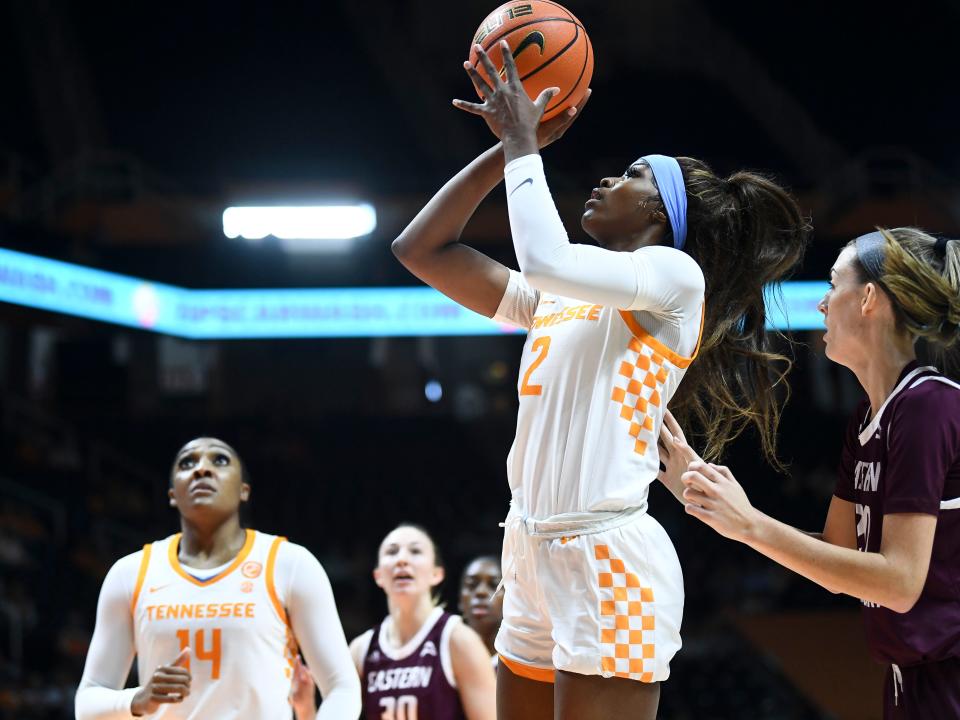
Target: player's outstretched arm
{"points": [[316, 626], [654, 278], [474, 675], [429, 246], [893, 577]]}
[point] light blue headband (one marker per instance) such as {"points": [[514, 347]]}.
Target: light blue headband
{"points": [[673, 193]]}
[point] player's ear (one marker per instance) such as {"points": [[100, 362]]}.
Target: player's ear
{"points": [[870, 298], [173, 500], [377, 578], [244, 492], [438, 574]]}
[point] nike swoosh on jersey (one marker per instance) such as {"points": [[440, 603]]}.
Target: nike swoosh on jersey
{"points": [[528, 180], [158, 587]]}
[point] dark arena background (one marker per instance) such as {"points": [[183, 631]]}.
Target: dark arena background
{"points": [[127, 130]]}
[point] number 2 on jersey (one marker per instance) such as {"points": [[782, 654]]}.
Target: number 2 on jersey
{"points": [[541, 345], [200, 651]]}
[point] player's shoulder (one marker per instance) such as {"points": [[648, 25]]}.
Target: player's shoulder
{"points": [[359, 647], [123, 574], [296, 564], [134, 560], [930, 393], [291, 551], [669, 257], [129, 564], [363, 639]]}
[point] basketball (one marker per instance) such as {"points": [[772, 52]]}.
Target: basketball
{"points": [[549, 45]]}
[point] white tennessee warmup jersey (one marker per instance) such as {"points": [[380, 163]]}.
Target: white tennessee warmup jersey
{"points": [[593, 387], [242, 648]]}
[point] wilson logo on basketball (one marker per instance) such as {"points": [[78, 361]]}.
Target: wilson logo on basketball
{"points": [[251, 569]]}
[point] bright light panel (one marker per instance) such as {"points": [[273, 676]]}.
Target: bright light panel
{"points": [[305, 222]]}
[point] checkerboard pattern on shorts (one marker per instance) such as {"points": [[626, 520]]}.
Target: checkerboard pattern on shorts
{"points": [[627, 646], [640, 379]]}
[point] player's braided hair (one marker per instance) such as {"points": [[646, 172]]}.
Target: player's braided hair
{"points": [[921, 276], [747, 234]]}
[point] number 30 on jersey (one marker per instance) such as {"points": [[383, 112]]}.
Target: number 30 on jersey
{"points": [[399, 708]]}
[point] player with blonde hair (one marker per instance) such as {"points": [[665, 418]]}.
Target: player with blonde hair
{"points": [[892, 530]]}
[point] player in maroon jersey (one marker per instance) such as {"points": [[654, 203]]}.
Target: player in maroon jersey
{"points": [[892, 533], [421, 662], [480, 605]]}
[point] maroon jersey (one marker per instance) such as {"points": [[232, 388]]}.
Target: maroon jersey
{"points": [[906, 459], [414, 682]]}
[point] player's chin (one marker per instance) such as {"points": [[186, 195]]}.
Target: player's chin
{"points": [[588, 221], [832, 350]]}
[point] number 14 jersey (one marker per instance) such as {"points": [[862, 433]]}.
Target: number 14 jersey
{"points": [[234, 622]]}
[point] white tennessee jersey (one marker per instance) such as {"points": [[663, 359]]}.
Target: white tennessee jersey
{"points": [[242, 648], [594, 385]]}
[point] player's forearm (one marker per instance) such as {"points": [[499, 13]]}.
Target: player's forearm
{"points": [[548, 260], [443, 218], [864, 575], [342, 702], [539, 237], [100, 703]]}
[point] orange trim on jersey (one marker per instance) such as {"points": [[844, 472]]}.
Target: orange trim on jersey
{"points": [[647, 339], [528, 671], [271, 586], [241, 556], [141, 574]]}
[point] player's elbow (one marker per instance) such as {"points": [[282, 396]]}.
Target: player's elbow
{"points": [[539, 273], [415, 251], [402, 248], [905, 594], [903, 602]]}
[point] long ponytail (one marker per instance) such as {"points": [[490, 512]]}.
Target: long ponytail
{"points": [[747, 234]]}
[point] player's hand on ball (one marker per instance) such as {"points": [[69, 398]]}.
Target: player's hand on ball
{"points": [[168, 684], [507, 109], [714, 496], [550, 131]]}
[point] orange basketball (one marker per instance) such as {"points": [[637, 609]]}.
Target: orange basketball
{"points": [[549, 46]]}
